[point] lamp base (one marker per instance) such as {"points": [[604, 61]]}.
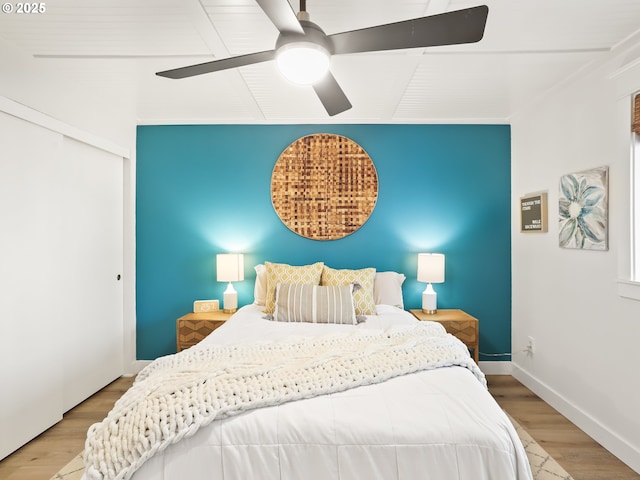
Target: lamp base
{"points": [[429, 300], [230, 300]]}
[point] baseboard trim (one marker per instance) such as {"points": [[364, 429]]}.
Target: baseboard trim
{"points": [[495, 368], [596, 430], [136, 367]]}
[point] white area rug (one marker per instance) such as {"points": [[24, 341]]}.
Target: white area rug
{"points": [[543, 466]]}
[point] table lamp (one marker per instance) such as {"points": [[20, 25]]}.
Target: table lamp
{"points": [[430, 270], [230, 268]]}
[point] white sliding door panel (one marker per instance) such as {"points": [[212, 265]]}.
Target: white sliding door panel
{"points": [[32, 340], [93, 256], [61, 255]]}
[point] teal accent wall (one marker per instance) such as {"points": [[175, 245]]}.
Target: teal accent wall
{"points": [[205, 189]]}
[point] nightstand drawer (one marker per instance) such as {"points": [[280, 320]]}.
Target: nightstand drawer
{"points": [[465, 330], [194, 327], [458, 323]]}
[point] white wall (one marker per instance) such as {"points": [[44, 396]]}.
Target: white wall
{"points": [[98, 101], [586, 334]]}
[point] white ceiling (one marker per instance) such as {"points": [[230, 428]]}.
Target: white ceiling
{"points": [[529, 46]]}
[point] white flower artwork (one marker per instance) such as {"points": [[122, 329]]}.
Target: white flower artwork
{"points": [[583, 209]]}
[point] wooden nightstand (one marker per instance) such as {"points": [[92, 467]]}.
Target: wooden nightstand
{"points": [[193, 327], [458, 323]]}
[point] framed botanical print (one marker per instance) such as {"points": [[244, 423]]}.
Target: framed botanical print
{"points": [[583, 209]]}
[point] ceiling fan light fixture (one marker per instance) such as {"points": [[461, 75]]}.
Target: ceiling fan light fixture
{"points": [[303, 63]]}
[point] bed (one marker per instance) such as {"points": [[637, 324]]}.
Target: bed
{"points": [[428, 419]]}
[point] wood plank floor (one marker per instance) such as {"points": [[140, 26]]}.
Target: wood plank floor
{"points": [[582, 457], [45, 455]]}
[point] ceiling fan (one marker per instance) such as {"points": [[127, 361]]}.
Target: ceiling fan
{"points": [[303, 45]]}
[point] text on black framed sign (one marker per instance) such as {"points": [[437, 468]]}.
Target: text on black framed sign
{"points": [[533, 213]]}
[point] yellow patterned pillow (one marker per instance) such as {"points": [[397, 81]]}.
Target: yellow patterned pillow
{"points": [[283, 273], [363, 297]]}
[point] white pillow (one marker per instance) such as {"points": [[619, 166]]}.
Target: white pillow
{"points": [[387, 289], [260, 287]]}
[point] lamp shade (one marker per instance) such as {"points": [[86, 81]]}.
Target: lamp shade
{"points": [[230, 267], [431, 267]]}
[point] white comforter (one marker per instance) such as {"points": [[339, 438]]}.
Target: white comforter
{"points": [[439, 424]]}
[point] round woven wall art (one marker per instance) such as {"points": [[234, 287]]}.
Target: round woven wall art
{"points": [[324, 186]]}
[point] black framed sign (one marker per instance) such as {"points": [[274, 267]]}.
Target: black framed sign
{"points": [[533, 213]]}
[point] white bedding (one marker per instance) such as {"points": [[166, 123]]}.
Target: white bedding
{"points": [[440, 424]]}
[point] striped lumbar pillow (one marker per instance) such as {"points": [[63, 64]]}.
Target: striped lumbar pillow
{"points": [[314, 304]]}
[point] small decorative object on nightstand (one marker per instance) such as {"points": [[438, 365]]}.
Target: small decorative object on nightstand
{"points": [[193, 327], [458, 323], [200, 306]]}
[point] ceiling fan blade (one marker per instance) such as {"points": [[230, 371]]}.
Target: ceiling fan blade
{"points": [[281, 14], [217, 65], [461, 26], [331, 95]]}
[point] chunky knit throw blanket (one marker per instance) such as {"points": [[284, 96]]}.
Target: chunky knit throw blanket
{"points": [[176, 395]]}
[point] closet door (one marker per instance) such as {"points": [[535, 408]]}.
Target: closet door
{"points": [[33, 339], [92, 256], [61, 255]]}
